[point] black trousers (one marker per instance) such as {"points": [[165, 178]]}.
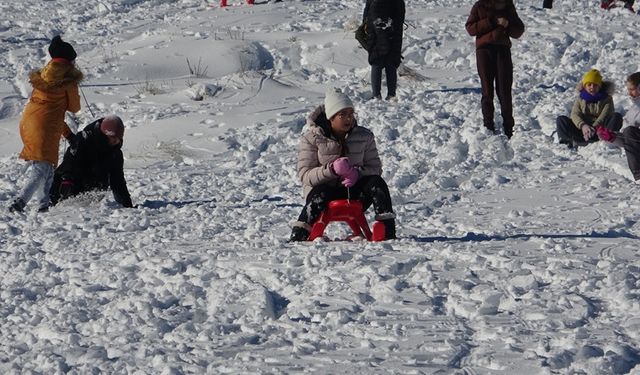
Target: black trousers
{"points": [[568, 133], [369, 190], [495, 65], [391, 73], [631, 139], [78, 188]]}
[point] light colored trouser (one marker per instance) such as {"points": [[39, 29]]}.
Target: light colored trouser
{"points": [[39, 179]]}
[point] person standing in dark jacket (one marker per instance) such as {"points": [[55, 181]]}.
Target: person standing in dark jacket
{"points": [[385, 21], [94, 161], [494, 23]]}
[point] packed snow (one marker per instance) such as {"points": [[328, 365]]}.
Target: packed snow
{"points": [[513, 257]]}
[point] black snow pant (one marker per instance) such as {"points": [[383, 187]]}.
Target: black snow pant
{"points": [[391, 73], [569, 134], [369, 190], [631, 139], [495, 65]]}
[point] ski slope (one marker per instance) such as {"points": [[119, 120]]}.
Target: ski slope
{"points": [[516, 257]]}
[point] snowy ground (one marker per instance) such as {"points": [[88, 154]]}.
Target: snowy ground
{"points": [[514, 257]]}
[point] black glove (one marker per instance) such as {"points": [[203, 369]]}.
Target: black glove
{"points": [[67, 188]]}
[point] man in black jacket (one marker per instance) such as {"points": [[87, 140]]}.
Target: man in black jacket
{"points": [[385, 22], [93, 162]]}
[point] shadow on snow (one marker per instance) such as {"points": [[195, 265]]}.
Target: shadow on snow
{"points": [[479, 237]]}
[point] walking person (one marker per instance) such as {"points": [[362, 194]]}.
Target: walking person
{"points": [[494, 23], [384, 23], [55, 91]]}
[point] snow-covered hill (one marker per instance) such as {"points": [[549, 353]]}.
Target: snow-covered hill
{"points": [[516, 257]]}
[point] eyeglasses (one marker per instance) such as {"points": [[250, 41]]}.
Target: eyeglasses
{"points": [[346, 114]]}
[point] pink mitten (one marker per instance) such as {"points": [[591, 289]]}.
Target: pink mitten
{"points": [[341, 166], [605, 134], [351, 177]]}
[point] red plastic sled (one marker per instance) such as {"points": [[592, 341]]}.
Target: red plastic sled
{"points": [[223, 3], [350, 212]]}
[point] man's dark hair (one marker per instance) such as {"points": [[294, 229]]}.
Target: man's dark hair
{"points": [[634, 79]]}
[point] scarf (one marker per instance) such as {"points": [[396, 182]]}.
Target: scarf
{"points": [[600, 95]]}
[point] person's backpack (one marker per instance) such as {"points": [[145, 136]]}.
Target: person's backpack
{"points": [[361, 34]]}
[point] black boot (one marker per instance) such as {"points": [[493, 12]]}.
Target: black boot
{"points": [[508, 132], [389, 229], [491, 126], [299, 234]]}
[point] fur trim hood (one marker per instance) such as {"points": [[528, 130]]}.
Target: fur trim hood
{"points": [[318, 118], [55, 76]]}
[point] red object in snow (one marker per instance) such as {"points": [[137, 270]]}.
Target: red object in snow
{"points": [[350, 212], [379, 232], [223, 3], [610, 4]]}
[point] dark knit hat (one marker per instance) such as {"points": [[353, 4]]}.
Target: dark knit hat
{"points": [[60, 49], [112, 126]]}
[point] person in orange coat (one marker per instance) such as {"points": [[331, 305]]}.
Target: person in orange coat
{"points": [[55, 91]]}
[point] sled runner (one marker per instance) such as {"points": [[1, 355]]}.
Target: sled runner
{"points": [[350, 212]]}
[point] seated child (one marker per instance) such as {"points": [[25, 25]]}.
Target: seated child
{"points": [[593, 108], [630, 137]]}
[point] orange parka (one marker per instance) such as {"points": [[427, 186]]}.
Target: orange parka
{"points": [[55, 91]]}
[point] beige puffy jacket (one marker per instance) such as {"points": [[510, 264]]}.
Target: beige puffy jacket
{"points": [[318, 148]]}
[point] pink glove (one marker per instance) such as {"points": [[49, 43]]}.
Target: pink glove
{"points": [[605, 134], [341, 166], [344, 169], [350, 178]]}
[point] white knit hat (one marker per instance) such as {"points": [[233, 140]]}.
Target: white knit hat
{"points": [[335, 101]]}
